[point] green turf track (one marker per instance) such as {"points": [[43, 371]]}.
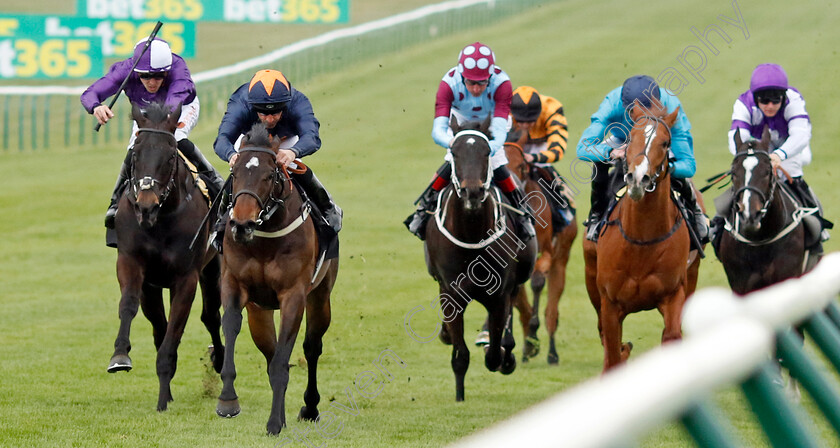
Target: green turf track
{"points": [[59, 294]]}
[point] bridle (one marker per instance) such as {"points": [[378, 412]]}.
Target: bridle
{"points": [[149, 182], [663, 166], [456, 183], [280, 178], [766, 199]]}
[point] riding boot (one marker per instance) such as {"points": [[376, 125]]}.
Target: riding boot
{"points": [[321, 198], [523, 222], [416, 223], [195, 156], [217, 237], [427, 202], [809, 199], [699, 220], [119, 188], [599, 199]]}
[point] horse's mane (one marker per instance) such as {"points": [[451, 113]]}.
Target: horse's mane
{"points": [[257, 136]]}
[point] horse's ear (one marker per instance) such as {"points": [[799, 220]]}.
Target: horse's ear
{"points": [[671, 118], [765, 138], [737, 138], [485, 126], [636, 111], [174, 116], [136, 113], [274, 142], [453, 124]]}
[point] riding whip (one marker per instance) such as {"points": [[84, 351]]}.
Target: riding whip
{"points": [[125, 81]]}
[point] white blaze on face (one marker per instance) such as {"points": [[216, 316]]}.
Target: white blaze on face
{"points": [[254, 162], [642, 168], [748, 164], [470, 141]]}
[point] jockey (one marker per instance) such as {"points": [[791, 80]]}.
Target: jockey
{"points": [[538, 122], [286, 113], [159, 76], [471, 91], [772, 102], [607, 137]]}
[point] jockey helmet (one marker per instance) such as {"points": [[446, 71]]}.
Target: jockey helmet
{"points": [[157, 58], [476, 62], [639, 87], [525, 105], [269, 92], [768, 77]]}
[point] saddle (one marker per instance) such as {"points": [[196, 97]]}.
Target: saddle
{"points": [[558, 194]]}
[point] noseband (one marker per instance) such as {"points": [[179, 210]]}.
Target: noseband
{"points": [[766, 199], [149, 182], [663, 166], [456, 183], [279, 178]]}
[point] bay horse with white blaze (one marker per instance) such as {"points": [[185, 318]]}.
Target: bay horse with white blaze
{"points": [[155, 223], [271, 261], [473, 253], [763, 221], [641, 260], [554, 243]]}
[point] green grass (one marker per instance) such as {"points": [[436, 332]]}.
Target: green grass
{"points": [[59, 292]]}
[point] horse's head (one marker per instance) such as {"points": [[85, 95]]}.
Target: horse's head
{"points": [[470, 152], [646, 156], [154, 159], [260, 186], [753, 181], [516, 160]]}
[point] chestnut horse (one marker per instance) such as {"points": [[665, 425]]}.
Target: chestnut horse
{"points": [[271, 261], [763, 220], [641, 260], [155, 223], [554, 245], [472, 252]]}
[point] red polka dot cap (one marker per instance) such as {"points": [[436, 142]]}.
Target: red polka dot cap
{"points": [[476, 62]]}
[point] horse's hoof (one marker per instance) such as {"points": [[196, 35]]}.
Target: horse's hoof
{"points": [[119, 363], [228, 408], [553, 359], [273, 428], [532, 348], [306, 414], [508, 366]]}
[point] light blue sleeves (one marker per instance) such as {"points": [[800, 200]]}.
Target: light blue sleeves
{"points": [[612, 119], [441, 133], [498, 129]]}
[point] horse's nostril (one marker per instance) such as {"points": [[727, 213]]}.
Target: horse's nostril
{"points": [[646, 179]]}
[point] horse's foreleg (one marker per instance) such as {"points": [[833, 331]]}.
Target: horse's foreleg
{"points": [[211, 317], [318, 316], [460, 354], [508, 343], [183, 295], [556, 286], [228, 405], [261, 324], [526, 316], [611, 320], [152, 306], [278, 368], [130, 276], [590, 270], [671, 311], [497, 313]]}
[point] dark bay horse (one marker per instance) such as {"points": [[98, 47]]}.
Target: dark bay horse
{"points": [[641, 260], [473, 254], [155, 224], [271, 262], [763, 221], [554, 247]]}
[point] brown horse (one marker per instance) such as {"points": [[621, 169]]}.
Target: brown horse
{"points": [[473, 254], [271, 261], [554, 244], [763, 220], [641, 260], [155, 223]]}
